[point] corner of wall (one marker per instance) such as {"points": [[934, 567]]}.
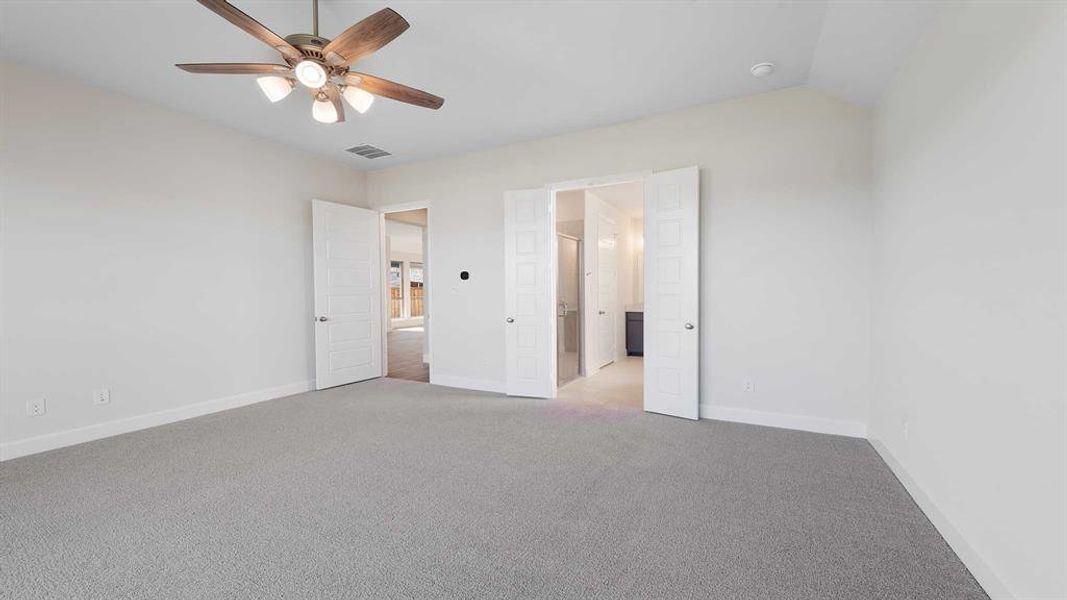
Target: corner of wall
{"points": [[971, 559]]}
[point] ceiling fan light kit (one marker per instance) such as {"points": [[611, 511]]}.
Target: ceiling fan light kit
{"points": [[323, 111], [275, 88], [310, 73], [357, 98], [319, 64]]}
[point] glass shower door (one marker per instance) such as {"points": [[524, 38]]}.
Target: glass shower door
{"points": [[568, 323]]}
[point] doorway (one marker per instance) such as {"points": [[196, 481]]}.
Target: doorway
{"points": [[607, 328], [406, 238], [639, 300]]}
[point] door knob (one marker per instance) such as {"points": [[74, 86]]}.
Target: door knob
{"points": [[688, 325], [323, 319], [600, 312], [510, 320]]}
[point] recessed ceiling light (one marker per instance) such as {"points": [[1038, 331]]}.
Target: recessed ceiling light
{"points": [[762, 69]]}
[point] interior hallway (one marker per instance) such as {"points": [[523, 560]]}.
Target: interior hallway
{"points": [[405, 355], [618, 385]]}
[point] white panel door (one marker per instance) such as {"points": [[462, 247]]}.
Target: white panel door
{"points": [[348, 289], [672, 284], [607, 289], [529, 297]]}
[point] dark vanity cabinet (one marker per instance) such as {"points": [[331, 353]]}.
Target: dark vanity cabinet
{"points": [[635, 333]]}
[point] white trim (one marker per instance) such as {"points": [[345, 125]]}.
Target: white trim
{"points": [[386, 307], [971, 559], [589, 368], [784, 420], [69, 437], [481, 385], [427, 276], [403, 206], [593, 182]]}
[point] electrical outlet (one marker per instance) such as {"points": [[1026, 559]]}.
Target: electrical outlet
{"points": [[750, 386], [904, 425], [101, 397], [35, 407]]}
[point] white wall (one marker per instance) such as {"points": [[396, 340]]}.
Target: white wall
{"points": [[785, 180], [570, 206], [148, 252], [404, 238], [970, 361]]}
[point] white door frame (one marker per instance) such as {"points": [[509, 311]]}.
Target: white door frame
{"points": [[588, 367], [585, 183], [591, 182], [427, 277]]}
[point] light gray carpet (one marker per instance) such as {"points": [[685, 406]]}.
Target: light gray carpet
{"points": [[394, 489]]}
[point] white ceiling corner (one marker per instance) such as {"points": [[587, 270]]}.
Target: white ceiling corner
{"points": [[862, 44]]}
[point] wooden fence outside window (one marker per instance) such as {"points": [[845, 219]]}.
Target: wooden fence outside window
{"points": [[417, 294], [396, 302]]}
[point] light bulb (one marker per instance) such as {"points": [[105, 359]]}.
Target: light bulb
{"points": [[358, 98], [310, 74], [275, 88], [324, 111]]}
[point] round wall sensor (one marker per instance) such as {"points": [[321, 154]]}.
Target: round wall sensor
{"points": [[762, 69]]}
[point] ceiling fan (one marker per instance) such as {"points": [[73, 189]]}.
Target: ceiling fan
{"points": [[319, 64]]}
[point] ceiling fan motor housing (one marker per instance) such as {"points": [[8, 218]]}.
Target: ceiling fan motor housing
{"points": [[310, 45]]}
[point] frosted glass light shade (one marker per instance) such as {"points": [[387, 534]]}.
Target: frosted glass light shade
{"points": [[324, 112], [275, 88], [358, 99], [310, 74]]}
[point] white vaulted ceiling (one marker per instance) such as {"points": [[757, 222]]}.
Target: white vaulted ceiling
{"points": [[508, 71]]}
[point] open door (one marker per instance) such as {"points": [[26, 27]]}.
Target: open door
{"points": [[607, 282], [529, 299], [348, 280], [672, 283]]}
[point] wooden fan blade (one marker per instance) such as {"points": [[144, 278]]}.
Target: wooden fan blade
{"points": [[252, 27], [236, 68], [396, 91], [365, 37], [334, 95]]}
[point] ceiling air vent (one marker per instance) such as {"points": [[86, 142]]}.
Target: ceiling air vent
{"points": [[368, 151]]}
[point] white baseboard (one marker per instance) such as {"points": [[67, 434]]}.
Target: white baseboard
{"points": [[978, 567], [783, 420], [69, 437], [481, 385]]}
